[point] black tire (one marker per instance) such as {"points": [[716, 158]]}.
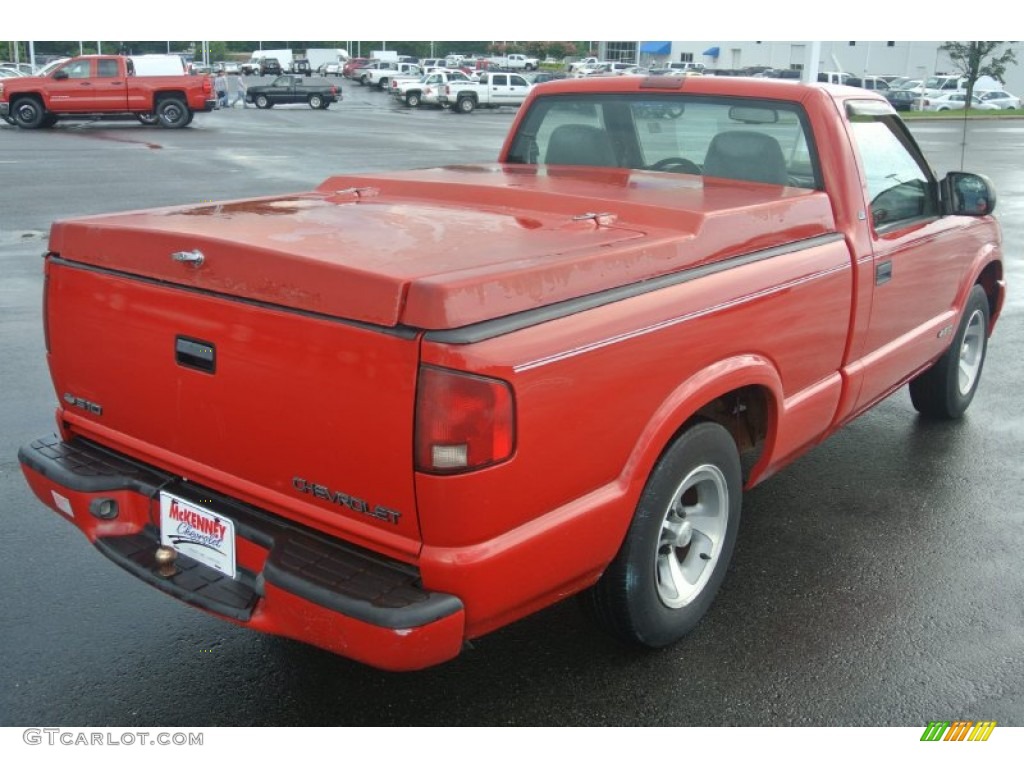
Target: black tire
{"points": [[674, 558], [465, 104], [28, 112], [946, 389], [365, 80], [262, 102], [412, 99], [172, 112], [147, 118], [382, 84], [316, 101]]}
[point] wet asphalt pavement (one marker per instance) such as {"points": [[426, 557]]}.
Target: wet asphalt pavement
{"points": [[876, 581]]}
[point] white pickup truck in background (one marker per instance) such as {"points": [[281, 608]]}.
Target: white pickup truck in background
{"points": [[427, 89], [515, 61], [591, 62], [380, 73], [494, 89]]}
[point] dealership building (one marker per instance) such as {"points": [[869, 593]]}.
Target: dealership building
{"points": [[916, 59]]}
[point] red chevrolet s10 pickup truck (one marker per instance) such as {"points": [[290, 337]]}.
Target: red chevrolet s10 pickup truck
{"points": [[87, 87], [400, 411]]}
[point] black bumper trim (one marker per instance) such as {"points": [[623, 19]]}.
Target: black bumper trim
{"points": [[329, 572], [343, 580], [191, 582], [83, 466]]}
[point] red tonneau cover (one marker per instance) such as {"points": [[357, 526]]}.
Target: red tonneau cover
{"points": [[447, 247]]}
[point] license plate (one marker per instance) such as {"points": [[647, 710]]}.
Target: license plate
{"points": [[198, 532]]}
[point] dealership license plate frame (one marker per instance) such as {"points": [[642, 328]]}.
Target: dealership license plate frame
{"points": [[199, 533]]}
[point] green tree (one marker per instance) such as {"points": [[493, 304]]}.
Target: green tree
{"points": [[218, 51], [537, 48], [977, 58]]}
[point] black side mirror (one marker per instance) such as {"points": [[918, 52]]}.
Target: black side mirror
{"points": [[967, 194], [60, 74]]}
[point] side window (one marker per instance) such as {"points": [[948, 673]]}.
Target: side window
{"points": [[899, 183], [499, 80], [517, 80], [78, 70], [107, 68]]}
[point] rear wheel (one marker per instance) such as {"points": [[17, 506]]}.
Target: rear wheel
{"points": [[678, 547], [316, 101], [946, 389], [28, 112], [172, 112], [466, 104]]}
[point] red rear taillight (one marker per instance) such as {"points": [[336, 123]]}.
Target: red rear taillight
{"points": [[463, 421], [207, 85]]}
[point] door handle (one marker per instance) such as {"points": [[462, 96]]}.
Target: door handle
{"points": [[883, 273], [194, 353]]}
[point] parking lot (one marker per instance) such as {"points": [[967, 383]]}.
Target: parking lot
{"points": [[876, 581]]}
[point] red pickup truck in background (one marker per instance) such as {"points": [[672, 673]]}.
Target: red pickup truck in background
{"points": [[399, 411], [104, 86]]}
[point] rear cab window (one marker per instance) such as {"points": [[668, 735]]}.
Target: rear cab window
{"points": [[734, 138]]}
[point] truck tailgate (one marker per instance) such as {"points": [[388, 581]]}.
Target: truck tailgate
{"points": [[307, 415]]}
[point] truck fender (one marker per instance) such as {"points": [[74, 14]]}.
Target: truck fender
{"points": [[986, 270], [689, 397], [13, 96]]}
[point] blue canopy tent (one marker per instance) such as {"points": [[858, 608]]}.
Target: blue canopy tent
{"points": [[713, 52]]}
